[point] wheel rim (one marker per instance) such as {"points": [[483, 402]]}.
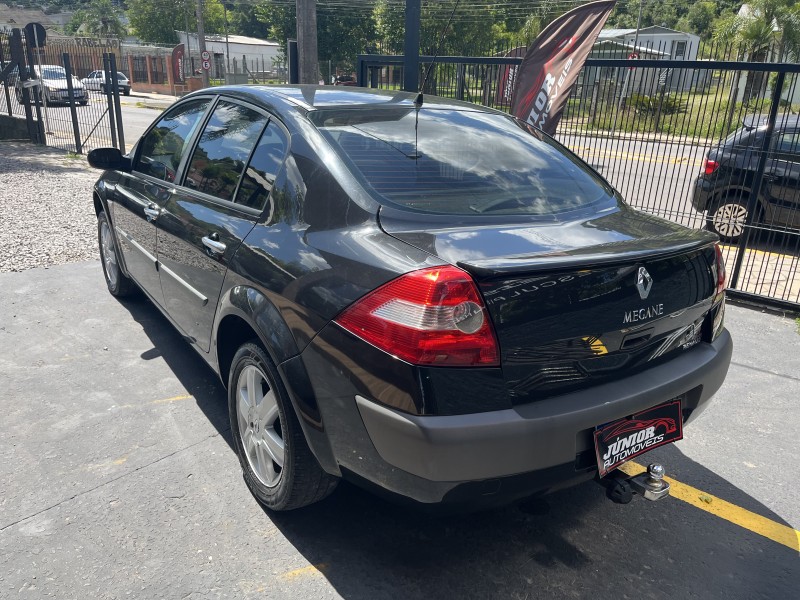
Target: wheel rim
{"points": [[260, 426], [729, 219], [109, 254]]}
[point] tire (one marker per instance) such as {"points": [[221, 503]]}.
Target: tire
{"points": [[726, 217], [127, 91], [277, 464], [118, 283], [83, 102]]}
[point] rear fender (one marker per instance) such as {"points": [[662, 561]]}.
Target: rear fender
{"points": [[245, 313]]}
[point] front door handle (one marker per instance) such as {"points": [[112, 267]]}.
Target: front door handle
{"points": [[213, 244], [151, 212]]}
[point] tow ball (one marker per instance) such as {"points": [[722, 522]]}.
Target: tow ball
{"points": [[620, 488]]}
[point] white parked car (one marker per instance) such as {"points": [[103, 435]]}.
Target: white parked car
{"points": [[54, 87], [96, 80]]}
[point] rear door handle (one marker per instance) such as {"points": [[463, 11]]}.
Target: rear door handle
{"points": [[151, 212], [214, 245]]}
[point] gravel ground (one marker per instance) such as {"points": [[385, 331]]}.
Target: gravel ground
{"points": [[46, 207]]}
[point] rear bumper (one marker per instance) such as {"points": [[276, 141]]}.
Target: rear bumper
{"points": [[541, 436], [702, 194]]}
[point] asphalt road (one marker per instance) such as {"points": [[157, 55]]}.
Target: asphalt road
{"points": [[117, 479]]}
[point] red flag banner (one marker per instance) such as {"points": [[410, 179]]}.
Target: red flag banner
{"points": [[552, 64], [178, 74]]}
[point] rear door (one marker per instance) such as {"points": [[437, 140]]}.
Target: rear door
{"points": [[227, 180], [783, 179], [141, 195]]}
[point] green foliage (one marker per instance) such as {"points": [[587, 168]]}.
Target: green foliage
{"points": [[667, 104], [156, 21], [771, 25], [97, 18], [341, 35]]}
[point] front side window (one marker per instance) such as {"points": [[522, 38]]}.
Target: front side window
{"points": [[223, 150], [263, 168], [165, 144], [463, 162]]}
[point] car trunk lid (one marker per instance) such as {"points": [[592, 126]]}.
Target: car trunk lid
{"points": [[579, 302]]}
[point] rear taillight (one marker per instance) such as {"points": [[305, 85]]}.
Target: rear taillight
{"points": [[428, 317], [720, 270], [709, 166]]}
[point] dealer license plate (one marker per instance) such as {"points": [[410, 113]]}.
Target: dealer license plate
{"points": [[619, 441]]}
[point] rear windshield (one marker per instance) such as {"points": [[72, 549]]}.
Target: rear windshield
{"points": [[449, 161]]}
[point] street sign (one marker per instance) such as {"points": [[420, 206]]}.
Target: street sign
{"points": [[632, 56], [206, 64], [206, 55]]}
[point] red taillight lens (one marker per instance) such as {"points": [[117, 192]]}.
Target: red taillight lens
{"points": [[428, 317], [720, 269], [709, 166]]}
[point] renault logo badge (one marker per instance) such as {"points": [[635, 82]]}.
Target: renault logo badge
{"points": [[643, 282]]}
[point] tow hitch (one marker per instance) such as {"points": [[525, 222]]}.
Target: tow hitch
{"points": [[650, 485]]}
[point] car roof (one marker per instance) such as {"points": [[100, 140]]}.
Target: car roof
{"points": [[759, 121], [313, 97]]}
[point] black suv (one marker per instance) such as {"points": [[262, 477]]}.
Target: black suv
{"points": [[723, 188]]}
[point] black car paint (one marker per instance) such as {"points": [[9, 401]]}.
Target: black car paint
{"points": [[324, 241], [738, 158]]}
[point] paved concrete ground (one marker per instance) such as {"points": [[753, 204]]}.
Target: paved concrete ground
{"points": [[117, 479]]}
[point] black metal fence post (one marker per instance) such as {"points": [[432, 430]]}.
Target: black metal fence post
{"points": [[117, 108], [752, 202], [111, 120], [411, 46], [73, 113]]}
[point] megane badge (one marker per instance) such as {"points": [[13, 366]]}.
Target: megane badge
{"points": [[643, 282]]}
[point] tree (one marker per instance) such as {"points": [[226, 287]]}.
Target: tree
{"points": [[762, 30], [341, 35], [99, 18], [156, 21], [699, 19]]}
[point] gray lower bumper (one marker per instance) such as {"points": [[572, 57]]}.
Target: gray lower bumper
{"points": [[538, 435]]}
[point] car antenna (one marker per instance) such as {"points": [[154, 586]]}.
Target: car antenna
{"points": [[418, 99]]}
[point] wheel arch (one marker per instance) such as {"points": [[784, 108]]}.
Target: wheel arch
{"points": [[742, 192], [246, 314]]}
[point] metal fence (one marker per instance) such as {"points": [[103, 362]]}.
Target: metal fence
{"points": [[61, 105], [650, 126]]}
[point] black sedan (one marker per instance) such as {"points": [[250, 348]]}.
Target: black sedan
{"points": [[426, 297], [724, 189]]}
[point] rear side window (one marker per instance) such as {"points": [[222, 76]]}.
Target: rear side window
{"points": [[460, 162], [165, 144], [223, 149], [263, 168]]}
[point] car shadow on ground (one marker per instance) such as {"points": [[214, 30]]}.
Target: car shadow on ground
{"points": [[573, 543], [191, 370]]}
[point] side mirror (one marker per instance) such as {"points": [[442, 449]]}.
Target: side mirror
{"points": [[109, 159]]}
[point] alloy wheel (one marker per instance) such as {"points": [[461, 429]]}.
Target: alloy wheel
{"points": [[729, 219], [109, 255], [260, 426]]}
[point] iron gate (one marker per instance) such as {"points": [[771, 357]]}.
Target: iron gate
{"points": [[647, 126], [44, 87]]}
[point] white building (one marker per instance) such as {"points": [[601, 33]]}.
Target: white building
{"points": [[675, 45], [257, 55]]}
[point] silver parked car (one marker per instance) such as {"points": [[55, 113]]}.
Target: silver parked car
{"points": [[96, 80]]}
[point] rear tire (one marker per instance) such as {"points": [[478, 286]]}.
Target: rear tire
{"points": [[726, 217], [119, 285], [277, 464]]}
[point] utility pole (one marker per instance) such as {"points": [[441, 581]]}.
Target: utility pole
{"points": [[307, 40], [201, 40]]}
